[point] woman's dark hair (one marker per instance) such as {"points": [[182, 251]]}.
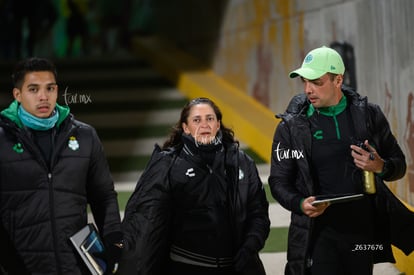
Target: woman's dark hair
{"points": [[177, 130], [33, 64]]}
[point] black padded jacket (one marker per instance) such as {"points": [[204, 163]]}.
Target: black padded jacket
{"points": [[42, 206], [162, 190], [290, 178]]}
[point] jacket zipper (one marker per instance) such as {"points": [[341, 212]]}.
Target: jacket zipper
{"points": [[52, 220], [55, 148], [36, 153]]}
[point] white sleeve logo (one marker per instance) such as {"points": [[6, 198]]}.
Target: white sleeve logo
{"points": [[190, 172]]}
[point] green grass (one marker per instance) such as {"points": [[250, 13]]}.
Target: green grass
{"points": [[277, 240], [123, 199], [268, 194]]}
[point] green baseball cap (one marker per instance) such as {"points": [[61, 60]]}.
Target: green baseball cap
{"points": [[319, 62]]}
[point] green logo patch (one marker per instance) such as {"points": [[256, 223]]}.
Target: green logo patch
{"points": [[318, 134], [18, 148]]}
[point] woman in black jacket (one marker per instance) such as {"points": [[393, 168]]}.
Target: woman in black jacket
{"points": [[200, 206]]}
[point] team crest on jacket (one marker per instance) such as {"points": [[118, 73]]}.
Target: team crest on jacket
{"points": [[73, 143], [18, 148]]}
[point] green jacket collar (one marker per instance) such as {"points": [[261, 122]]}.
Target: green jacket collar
{"points": [[11, 113], [331, 110]]}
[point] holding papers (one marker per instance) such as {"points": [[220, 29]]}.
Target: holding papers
{"points": [[90, 247], [336, 198]]}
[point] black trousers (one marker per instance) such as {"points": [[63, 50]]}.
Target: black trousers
{"points": [[337, 253]]}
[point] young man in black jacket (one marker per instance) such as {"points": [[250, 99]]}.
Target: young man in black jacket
{"points": [[327, 139], [51, 167]]}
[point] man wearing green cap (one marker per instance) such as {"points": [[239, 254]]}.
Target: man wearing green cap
{"points": [[329, 137]]}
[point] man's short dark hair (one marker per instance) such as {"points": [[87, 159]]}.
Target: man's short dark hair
{"points": [[33, 64]]}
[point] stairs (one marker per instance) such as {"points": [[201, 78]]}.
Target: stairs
{"points": [[130, 106]]}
